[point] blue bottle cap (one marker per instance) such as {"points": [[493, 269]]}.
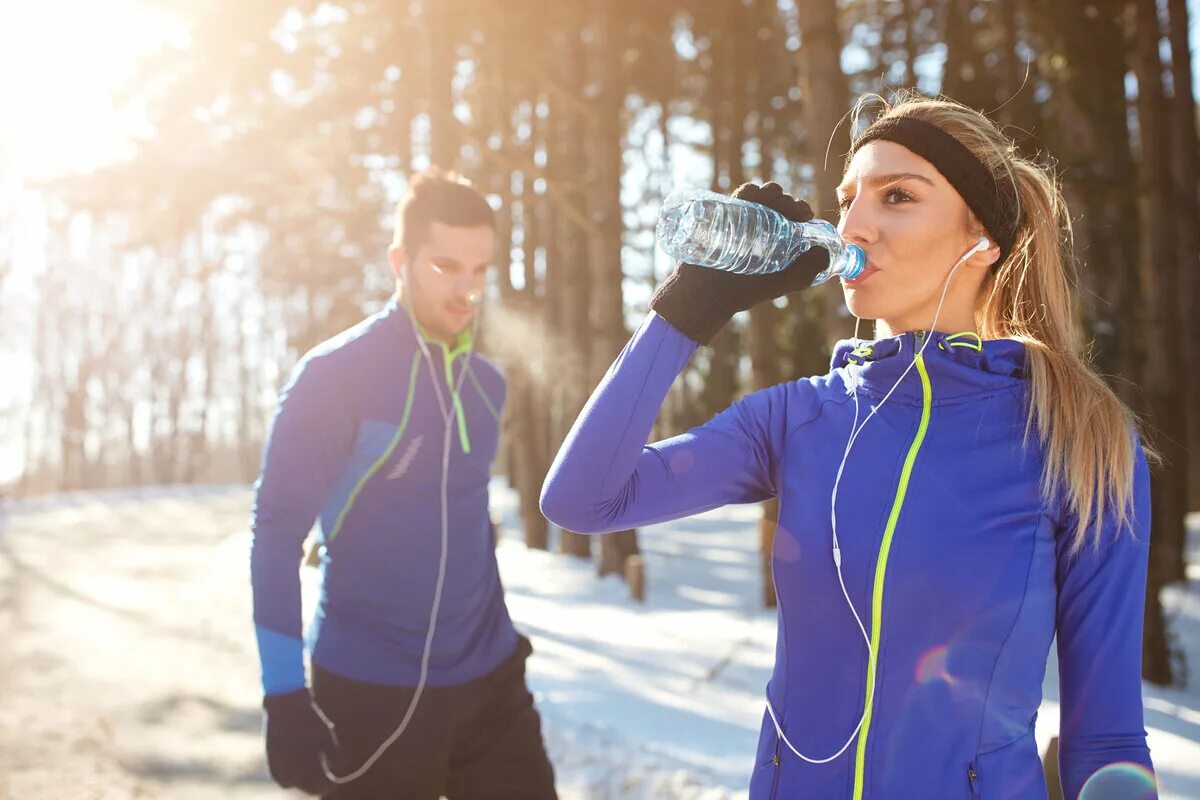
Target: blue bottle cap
{"points": [[858, 262]]}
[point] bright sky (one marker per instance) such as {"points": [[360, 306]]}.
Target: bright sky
{"points": [[60, 62]]}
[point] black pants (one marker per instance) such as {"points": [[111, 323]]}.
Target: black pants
{"points": [[478, 741]]}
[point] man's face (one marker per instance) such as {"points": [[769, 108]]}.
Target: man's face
{"points": [[450, 267]]}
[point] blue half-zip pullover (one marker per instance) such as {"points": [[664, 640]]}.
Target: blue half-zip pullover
{"points": [[957, 565], [356, 444]]}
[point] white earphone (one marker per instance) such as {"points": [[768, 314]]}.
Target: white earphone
{"points": [[855, 429], [475, 298]]}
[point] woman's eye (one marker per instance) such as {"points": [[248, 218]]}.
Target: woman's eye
{"points": [[900, 195], [844, 203]]}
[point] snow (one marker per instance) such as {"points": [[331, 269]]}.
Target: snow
{"points": [[129, 667]]}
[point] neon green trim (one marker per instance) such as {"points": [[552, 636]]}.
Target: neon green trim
{"points": [[463, 438], [487, 401], [464, 343], [379, 462], [881, 570], [460, 415], [976, 345]]}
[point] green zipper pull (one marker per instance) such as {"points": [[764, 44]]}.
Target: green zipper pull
{"points": [[465, 342], [459, 414], [463, 439]]}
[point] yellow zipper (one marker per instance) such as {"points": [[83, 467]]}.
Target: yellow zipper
{"points": [[881, 569]]}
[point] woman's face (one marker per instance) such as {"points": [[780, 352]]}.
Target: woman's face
{"points": [[913, 226]]}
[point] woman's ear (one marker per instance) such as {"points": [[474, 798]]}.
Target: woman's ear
{"points": [[990, 254], [985, 253]]}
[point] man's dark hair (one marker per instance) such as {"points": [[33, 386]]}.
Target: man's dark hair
{"points": [[435, 195]]}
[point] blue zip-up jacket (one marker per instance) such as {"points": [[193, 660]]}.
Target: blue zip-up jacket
{"points": [[957, 566], [356, 443]]}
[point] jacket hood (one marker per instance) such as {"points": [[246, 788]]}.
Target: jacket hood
{"points": [[960, 365]]}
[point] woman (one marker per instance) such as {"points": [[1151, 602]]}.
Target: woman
{"points": [[951, 494]]}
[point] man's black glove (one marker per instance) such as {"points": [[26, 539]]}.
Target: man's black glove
{"points": [[698, 301], [297, 735]]}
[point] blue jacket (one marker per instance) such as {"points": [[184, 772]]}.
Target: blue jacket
{"points": [[957, 566], [356, 443]]}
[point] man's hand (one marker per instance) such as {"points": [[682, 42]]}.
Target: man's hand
{"points": [[297, 735]]}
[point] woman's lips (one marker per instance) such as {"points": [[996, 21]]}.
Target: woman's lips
{"points": [[870, 270]]}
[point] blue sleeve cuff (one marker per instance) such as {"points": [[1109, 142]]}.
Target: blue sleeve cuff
{"points": [[282, 661]]}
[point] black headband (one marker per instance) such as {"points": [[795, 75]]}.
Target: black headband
{"points": [[994, 205]]}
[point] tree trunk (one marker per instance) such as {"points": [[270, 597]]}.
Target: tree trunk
{"points": [[529, 466], [527, 419], [958, 72], [1186, 172], [1050, 769], [570, 271], [444, 137], [1018, 108], [1090, 136], [1163, 391], [908, 49], [606, 137], [720, 374], [74, 427], [826, 95], [816, 317]]}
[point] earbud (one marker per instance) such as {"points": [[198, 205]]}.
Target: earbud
{"points": [[983, 244]]}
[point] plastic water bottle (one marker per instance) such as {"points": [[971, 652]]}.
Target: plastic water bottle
{"points": [[715, 230]]}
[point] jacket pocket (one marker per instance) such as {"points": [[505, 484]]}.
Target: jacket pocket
{"points": [[1012, 772], [764, 781]]}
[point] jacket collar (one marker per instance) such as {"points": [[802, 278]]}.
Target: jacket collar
{"points": [[959, 365], [398, 317]]}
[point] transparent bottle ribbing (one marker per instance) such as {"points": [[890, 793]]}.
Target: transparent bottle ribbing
{"points": [[714, 230]]}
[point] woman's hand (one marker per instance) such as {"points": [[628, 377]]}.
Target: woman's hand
{"points": [[698, 301]]}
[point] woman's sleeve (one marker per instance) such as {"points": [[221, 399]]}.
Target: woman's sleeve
{"points": [[1101, 597], [606, 477]]}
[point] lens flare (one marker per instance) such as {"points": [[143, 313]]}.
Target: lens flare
{"points": [[1123, 780], [931, 666]]}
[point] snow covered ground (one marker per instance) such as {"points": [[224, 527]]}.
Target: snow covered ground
{"points": [[128, 666]]}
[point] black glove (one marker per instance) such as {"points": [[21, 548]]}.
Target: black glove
{"points": [[297, 735], [698, 301]]}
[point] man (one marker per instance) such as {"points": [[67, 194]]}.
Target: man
{"points": [[386, 434]]}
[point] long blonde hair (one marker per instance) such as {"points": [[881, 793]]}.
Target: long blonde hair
{"points": [[1085, 431]]}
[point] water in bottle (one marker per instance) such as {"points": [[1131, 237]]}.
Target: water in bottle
{"points": [[714, 230]]}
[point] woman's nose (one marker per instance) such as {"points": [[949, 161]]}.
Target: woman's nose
{"points": [[855, 224]]}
